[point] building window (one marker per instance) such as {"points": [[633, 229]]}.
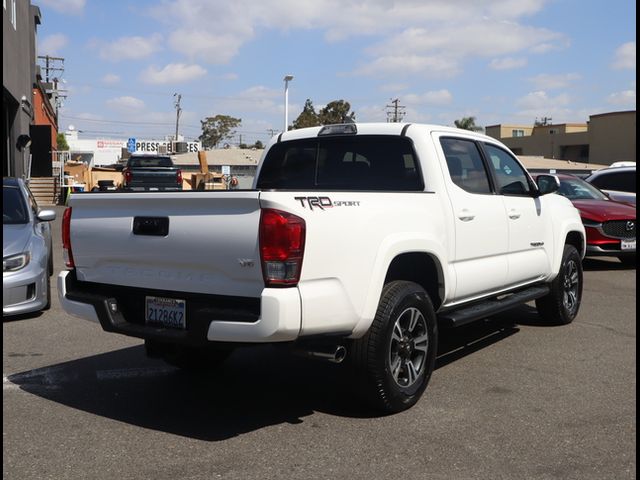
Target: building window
{"points": [[553, 131], [517, 133]]}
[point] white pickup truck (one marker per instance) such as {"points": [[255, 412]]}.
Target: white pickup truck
{"points": [[357, 241]]}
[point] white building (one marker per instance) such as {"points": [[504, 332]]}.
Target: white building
{"points": [[97, 152]]}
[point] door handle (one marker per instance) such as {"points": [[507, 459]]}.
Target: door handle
{"points": [[514, 214], [466, 216]]}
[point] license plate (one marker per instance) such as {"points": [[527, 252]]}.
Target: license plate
{"points": [[166, 312], [628, 245]]}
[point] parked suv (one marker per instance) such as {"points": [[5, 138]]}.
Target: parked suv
{"points": [[617, 182]]}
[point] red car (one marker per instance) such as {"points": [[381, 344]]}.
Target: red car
{"points": [[610, 225]]}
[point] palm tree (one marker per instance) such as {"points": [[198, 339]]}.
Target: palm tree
{"points": [[468, 123]]}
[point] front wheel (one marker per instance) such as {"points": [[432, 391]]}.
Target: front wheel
{"points": [[47, 305], [395, 358], [628, 260], [561, 305]]}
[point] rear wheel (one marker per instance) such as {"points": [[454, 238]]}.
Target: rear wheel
{"points": [[396, 357], [561, 305]]}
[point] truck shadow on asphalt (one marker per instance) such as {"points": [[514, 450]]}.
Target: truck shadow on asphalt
{"points": [[257, 387]]}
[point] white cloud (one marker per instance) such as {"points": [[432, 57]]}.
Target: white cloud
{"points": [[125, 104], [413, 36], [111, 79], [73, 7], [52, 44], [256, 99], [393, 87], [439, 51], [172, 73], [131, 48], [507, 63], [439, 97], [539, 104], [214, 48], [625, 57], [405, 65], [546, 81], [626, 98]]}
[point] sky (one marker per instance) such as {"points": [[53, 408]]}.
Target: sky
{"points": [[499, 61]]}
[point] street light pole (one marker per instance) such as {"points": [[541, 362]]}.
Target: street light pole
{"points": [[287, 79]]}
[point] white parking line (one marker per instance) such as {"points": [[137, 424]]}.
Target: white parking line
{"points": [[52, 378], [11, 386]]}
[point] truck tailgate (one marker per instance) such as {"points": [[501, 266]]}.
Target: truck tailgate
{"points": [[199, 242], [155, 177]]}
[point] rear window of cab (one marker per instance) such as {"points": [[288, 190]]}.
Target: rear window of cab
{"points": [[362, 162]]}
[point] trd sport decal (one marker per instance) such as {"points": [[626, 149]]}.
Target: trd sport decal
{"points": [[325, 202]]}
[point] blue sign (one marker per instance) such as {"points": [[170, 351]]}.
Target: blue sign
{"points": [[131, 145]]}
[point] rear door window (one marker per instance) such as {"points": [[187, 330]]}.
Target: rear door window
{"points": [[465, 165], [362, 162]]}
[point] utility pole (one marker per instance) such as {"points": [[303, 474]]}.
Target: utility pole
{"points": [[178, 97], [271, 130], [397, 114], [51, 66]]}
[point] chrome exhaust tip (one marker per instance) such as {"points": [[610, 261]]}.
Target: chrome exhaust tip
{"points": [[333, 354]]}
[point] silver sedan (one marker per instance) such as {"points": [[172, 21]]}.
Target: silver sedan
{"points": [[27, 260]]}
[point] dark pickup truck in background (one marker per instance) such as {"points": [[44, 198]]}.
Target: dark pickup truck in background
{"points": [[151, 173]]}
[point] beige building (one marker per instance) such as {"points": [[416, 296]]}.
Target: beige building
{"points": [[606, 138]]}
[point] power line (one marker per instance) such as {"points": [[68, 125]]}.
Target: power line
{"points": [[397, 114]]}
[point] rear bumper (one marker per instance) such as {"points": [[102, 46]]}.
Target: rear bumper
{"points": [[274, 317]]}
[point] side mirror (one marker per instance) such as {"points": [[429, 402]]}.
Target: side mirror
{"points": [[547, 184], [46, 215]]}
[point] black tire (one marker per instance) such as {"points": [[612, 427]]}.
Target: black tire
{"points": [[50, 260], [192, 359], [561, 305], [47, 305], [628, 260], [391, 366]]}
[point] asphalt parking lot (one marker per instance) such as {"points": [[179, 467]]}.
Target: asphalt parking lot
{"points": [[510, 399]]}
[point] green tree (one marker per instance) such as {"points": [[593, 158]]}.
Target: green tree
{"points": [[61, 141], [216, 129], [468, 123], [258, 145], [308, 117], [336, 112]]}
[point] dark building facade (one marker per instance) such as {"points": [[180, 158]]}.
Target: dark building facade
{"points": [[19, 24]]}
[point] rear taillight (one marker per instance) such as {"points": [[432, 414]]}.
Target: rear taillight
{"points": [[66, 238], [128, 176], [179, 177], [282, 237]]}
